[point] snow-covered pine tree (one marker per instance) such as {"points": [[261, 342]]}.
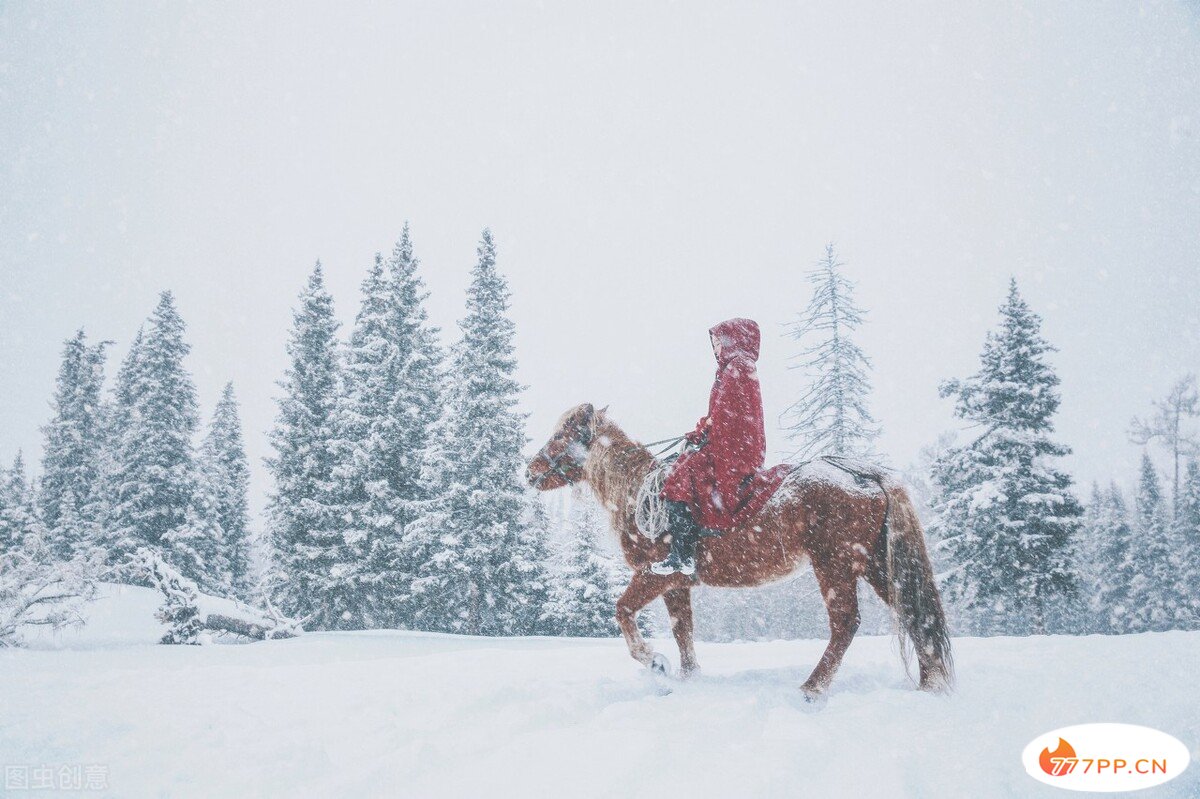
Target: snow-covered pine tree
{"points": [[361, 489], [831, 418], [316, 569], [1110, 537], [117, 537], [1007, 516], [523, 576], [418, 402], [225, 477], [481, 566], [1187, 537], [434, 541], [18, 517], [581, 595], [390, 401], [70, 495], [1089, 571], [156, 501], [1154, 589]]}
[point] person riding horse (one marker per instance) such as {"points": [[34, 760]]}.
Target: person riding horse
{"points": [[713, 478]]}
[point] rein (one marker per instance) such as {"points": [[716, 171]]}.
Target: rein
{"points": [[671, 443]]}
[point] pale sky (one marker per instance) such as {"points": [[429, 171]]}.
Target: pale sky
{"points": [[648, 169]]}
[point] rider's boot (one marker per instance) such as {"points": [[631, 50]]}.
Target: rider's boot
{"points": [[685, 533]]}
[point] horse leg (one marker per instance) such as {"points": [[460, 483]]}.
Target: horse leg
{"points": [[679, 609], [641, 591], [839, 589]]}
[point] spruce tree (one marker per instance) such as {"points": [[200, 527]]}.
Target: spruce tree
{"points": [[389, 403], [418, 399], [481, 567], [70, 496], [1156, 573], [525, 571], [225, 477], [317, 568], [581, 597], [831, 418], [1088, 568], [360, 492], [1187, 538], [1111, 535], [18, 518], [156, 475], [435, 540], [413, 467], [1008, 517], [117, 537]]}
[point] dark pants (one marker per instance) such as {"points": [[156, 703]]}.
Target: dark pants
{"points": [[684, 531]]}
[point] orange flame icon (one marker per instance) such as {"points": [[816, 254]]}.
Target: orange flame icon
{"points": [[1059, 762]]}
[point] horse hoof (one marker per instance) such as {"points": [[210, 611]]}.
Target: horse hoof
{"points": [[660, 665], [812, 695], [687, 673]]}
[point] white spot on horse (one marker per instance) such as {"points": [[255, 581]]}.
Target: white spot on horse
{"points": [[832, 595], [604, 441]]}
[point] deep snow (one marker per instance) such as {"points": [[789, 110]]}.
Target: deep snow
{"points": [[395, 713]]}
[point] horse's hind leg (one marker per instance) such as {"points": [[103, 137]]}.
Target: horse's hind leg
{"points": [[840, 592], [679, 609]]}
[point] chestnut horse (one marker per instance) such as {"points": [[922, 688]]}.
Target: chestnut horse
{"points": [[846, 528]]}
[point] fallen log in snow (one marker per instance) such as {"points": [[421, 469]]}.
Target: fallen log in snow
{"points": [[187, 618], [219, 622]]}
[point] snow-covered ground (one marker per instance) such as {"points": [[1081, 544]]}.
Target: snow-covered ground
{"points": [[406, 714]]}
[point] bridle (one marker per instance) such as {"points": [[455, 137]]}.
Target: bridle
{"points": [[563, 463]]}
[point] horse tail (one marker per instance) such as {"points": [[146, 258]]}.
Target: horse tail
{"points": [[912, 593]]}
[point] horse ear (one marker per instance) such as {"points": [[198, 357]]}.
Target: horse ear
{"points": [[603, 412]]}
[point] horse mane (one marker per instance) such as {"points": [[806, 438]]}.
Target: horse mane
{"points": [[615, 468]]}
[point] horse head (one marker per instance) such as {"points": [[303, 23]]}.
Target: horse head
{"points": [[560, 461]]}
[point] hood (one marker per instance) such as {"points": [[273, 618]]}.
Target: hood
{"points": [[738, 337]]}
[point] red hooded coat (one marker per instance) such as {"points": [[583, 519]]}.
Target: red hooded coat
{"points": [[721, 481]]}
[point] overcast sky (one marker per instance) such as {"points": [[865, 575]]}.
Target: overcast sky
{"points": [[648, 169]]}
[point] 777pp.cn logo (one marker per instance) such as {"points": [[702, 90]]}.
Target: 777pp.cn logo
{"points": [[1105, 757]]}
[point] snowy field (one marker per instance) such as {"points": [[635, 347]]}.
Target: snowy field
{"points": [[404, 714]]}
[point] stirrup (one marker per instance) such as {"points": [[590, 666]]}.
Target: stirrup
{"points": [[666, 567], [674, 565]]}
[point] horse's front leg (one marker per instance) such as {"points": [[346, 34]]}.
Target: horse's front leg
{"points": [[679, 609], [643, 589]]}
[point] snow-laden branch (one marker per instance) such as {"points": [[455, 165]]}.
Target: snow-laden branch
{"points": [[36, 589]]}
